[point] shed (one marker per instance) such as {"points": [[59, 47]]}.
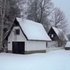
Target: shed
{"points": [[57, 35], [67, 46], [26, 36]]}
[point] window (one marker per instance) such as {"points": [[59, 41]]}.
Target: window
{"points": [[5, 30], [52, 35], [17, 31]]}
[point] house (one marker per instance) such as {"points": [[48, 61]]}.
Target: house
{"points": [[58, 37], [26, 36], [67, 46]]}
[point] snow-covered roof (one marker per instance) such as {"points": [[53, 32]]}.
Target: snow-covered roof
{"points": [[60, 33], [56, 30], [33, 30], [67, 44]]}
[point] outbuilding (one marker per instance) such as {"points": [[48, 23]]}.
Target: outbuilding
{"points": [[58, 36], [67, 46], [26, 36]]}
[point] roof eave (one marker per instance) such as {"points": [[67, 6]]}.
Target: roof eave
{"points": [[39, 40]]}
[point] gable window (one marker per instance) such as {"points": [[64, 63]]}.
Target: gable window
{"points": [[17, 31], [52, 35]]}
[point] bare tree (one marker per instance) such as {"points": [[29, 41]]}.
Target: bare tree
{"points": [[39, 10], [23, 8], [8, 11], [12, 11], [58, 19], [2, 15]]}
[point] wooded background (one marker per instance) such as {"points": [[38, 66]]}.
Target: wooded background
{"points": [[42, 11]]}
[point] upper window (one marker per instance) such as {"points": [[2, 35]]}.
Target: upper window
{"points": [[17, 31], [52, 35]]}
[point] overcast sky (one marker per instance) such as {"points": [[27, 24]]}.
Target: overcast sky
{"points": [[64, 5]]}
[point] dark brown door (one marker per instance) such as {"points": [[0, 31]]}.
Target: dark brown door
{"points": [[18, 47]]}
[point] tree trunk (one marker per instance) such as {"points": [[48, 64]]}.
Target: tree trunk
{"points": [[2, 15]]}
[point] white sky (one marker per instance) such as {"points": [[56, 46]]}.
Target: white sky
{"points": [[64, 5]]}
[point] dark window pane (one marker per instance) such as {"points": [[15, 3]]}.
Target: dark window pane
{"points": [[17, 31]]}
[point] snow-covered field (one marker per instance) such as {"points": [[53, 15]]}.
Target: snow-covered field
{"points": [[54, 60]]}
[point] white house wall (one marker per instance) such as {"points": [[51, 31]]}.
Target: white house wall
{"points": [[29, 45], [12, 37], [52, 44], [35, 45]]}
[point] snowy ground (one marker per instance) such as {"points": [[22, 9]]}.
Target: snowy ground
{"points": [[54, 60]]}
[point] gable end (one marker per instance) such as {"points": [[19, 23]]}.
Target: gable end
{"points": [[16, 23]]}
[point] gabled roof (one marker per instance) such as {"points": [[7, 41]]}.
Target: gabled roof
{"points": [[33, 30], [60, 34]]}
